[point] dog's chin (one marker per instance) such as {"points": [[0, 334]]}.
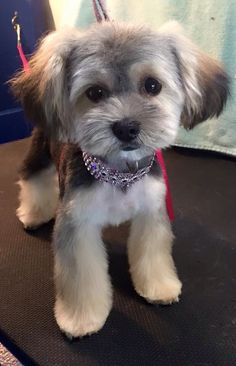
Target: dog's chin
{"points": [[124, 157], [130, 147], [129, 157]]}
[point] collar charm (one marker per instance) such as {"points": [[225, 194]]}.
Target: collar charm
{"points": [[102, 172]]}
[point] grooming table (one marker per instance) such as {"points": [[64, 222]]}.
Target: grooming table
{"points": [[198, 331]]}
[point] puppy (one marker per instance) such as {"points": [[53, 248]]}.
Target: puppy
{"points": [[102, 102]]}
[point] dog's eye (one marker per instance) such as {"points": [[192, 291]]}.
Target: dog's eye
{"points": [[96, 93], [152, 86]]}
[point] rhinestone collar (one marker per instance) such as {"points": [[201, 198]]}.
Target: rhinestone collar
{"points": [[102, 172]]}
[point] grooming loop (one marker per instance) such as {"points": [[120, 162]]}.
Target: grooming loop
{"points": [[100, 10], [17, 29]]}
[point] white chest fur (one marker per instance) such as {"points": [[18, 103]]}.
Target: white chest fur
{"points": [[104, 204]]}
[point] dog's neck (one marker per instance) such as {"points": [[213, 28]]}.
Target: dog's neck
{"points": [[129, 161], [133, 172]]}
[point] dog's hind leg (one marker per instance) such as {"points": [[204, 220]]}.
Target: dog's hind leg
{"points": [[38, 184]]}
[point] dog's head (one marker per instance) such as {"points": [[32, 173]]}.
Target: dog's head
{"points": [[119, 88]]}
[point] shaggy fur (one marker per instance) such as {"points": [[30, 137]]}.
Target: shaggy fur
{"points": [[119, 59]]}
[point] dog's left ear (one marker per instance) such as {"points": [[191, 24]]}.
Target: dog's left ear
{"points": [[204, 81], [43, 89]]}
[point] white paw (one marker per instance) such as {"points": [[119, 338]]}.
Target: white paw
{"points": [[79, 323], [34, 218], [165, 291], [38, 199]]}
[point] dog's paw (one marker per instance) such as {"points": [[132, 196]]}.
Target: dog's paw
{"points": [[163, 292], [32, 220], [38, 199], [83, 328], [79, 323]]}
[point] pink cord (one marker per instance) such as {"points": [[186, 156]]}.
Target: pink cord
{"points": [[169, 205], [23, 58], [100, 11]]}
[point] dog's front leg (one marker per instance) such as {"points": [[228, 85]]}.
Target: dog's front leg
{"points": [[83, 289], [151, 264]]}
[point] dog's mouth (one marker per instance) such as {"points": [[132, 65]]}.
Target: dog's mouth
{"points": [[130, 147]]}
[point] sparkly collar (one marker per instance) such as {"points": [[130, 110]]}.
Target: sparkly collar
{"points": [[104, 173]]}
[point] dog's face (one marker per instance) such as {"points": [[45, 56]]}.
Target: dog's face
{"points": [[125, 92], [117, 89]]}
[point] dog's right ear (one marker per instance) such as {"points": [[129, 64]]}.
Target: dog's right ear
{"points": [[43, 89], [205, 82]]}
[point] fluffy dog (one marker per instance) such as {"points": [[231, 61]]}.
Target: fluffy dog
{"points": [[102, 102]]}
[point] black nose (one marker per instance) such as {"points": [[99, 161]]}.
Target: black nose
{"points": [[126, 130]]}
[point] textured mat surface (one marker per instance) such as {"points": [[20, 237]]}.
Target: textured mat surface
{"points": [[199, 331]]}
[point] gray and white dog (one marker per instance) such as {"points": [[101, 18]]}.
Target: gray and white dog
{"points": [[102, 102]]}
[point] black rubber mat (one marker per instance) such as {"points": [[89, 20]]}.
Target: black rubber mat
{"points": [[199, 331]]}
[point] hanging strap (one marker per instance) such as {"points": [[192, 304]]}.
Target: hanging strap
{"points": [[23, 58], [17, 28], [100, 10]]}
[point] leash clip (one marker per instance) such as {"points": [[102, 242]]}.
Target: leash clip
{"points": [[16, 27]]}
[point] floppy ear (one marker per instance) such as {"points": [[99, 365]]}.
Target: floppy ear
{"points": [[204, 81], [43, 90]]}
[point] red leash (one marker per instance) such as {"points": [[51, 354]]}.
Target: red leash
{"points": [[169, 204], [100, 10], [17, 28], [101, 15], [23, 58]]}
